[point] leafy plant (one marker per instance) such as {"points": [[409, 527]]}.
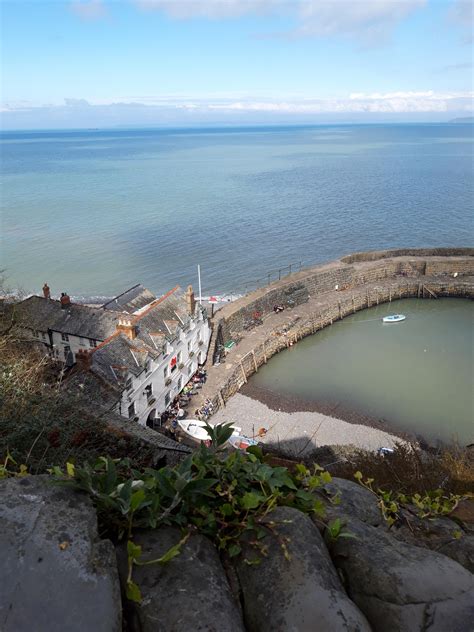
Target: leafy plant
{"points": [[432, 504], [226, 497]]}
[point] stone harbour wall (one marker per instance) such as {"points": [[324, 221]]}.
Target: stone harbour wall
{"points": [[315, 298]]}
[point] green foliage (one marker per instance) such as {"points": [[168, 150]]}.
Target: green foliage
{"points": [[431, 504], [225, 497], [10, 467]]}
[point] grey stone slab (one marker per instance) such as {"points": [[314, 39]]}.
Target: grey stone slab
{"points": [[300, 594], [354, 500], [403, 587], [56, 574], [188, 594]]}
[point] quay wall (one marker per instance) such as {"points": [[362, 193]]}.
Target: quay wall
{"points": [[360, 285], [368, 268]]}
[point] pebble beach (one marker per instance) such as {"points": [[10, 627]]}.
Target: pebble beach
{"points": [[299, 433]]}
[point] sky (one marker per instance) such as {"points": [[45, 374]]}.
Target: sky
{"points": [[106, 63]]}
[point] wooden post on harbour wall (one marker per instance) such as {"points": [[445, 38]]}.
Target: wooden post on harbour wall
{"points": [[221, 399], [390, 295], [243, 372], [353, 304], [264, 353], [254, 360]]}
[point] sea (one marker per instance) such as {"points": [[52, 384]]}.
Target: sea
{"points": [[93, 212]]}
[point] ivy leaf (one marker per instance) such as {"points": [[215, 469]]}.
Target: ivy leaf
{"points": [[70, 469], [251, 500], [234, 550], [134, 551], [133, 592], [136, 499]]}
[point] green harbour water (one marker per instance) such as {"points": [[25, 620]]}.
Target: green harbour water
{"points": [[416, 375]]}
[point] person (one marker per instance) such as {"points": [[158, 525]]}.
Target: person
{"points": [[46, 291], [278, 308]]}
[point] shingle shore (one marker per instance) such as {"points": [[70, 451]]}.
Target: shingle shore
{"points": [[299, 433]]}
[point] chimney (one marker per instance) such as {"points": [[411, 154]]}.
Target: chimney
{"points": [[190, 301], [126, 326], [83, 359], [46, 291], [65, 300]]}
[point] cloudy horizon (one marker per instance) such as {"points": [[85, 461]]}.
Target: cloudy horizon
{"points": [[99, 63]]}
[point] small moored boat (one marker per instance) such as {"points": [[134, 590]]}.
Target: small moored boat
{"points": [[394, 318]]}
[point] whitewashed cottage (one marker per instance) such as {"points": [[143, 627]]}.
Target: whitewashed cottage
{"points": [[145, 348]]}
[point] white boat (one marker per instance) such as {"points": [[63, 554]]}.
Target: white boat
{"points": [[394, 318], [196, 430]]}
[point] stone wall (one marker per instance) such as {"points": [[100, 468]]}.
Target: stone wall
{"points": [[58, 574], [344, 288]]}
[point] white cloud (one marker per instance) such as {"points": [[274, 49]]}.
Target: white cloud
{"points": [[400, 102], [369, 20], [89, 9], [462, 14]]}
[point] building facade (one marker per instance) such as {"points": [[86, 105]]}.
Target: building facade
{"points": [[146, 349]]}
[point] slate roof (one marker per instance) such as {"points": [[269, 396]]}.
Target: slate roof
{"points": [[39, 313], [155, 325], [116, 357], [130, 301]]}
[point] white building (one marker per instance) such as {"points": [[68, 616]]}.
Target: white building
{"points": [[145, 348]]}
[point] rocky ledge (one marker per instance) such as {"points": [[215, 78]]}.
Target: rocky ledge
{"points": [[57, 574]]}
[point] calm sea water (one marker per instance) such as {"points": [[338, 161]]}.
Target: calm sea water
{"points": [[93, 212], [417, 375]]}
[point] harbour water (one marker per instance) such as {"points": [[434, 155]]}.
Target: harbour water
{"points": [[94, 212], [416, 375]]}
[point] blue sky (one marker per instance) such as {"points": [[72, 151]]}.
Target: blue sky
{"points": [[103, 63]]}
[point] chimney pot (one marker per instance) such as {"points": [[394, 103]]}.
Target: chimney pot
{"points": [[46, 291], [127, 326], [84, 359], [65, 300]]}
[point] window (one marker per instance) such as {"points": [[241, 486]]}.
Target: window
{"points": [[174, 363], [67, 353], [167, 398], [180, 383], [82, 341], [189, 345], [179, 357], [43, 335], [148, 391], [165, 372], [129, 383], [92, 343], [131, 410], [64, 337]]}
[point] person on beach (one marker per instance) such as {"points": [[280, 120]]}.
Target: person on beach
{"points": [[46, 291]]}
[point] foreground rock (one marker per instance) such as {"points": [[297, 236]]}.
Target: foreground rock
{"points": [[189, 593], [302, 593], [56, 574], [403, 587]]}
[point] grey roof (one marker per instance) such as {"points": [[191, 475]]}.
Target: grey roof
{"points": [[42, 314], [120, 355], [131, 300], [154, 325]]}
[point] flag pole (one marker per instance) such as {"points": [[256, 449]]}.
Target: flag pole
{"points": [[199, 281]]}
